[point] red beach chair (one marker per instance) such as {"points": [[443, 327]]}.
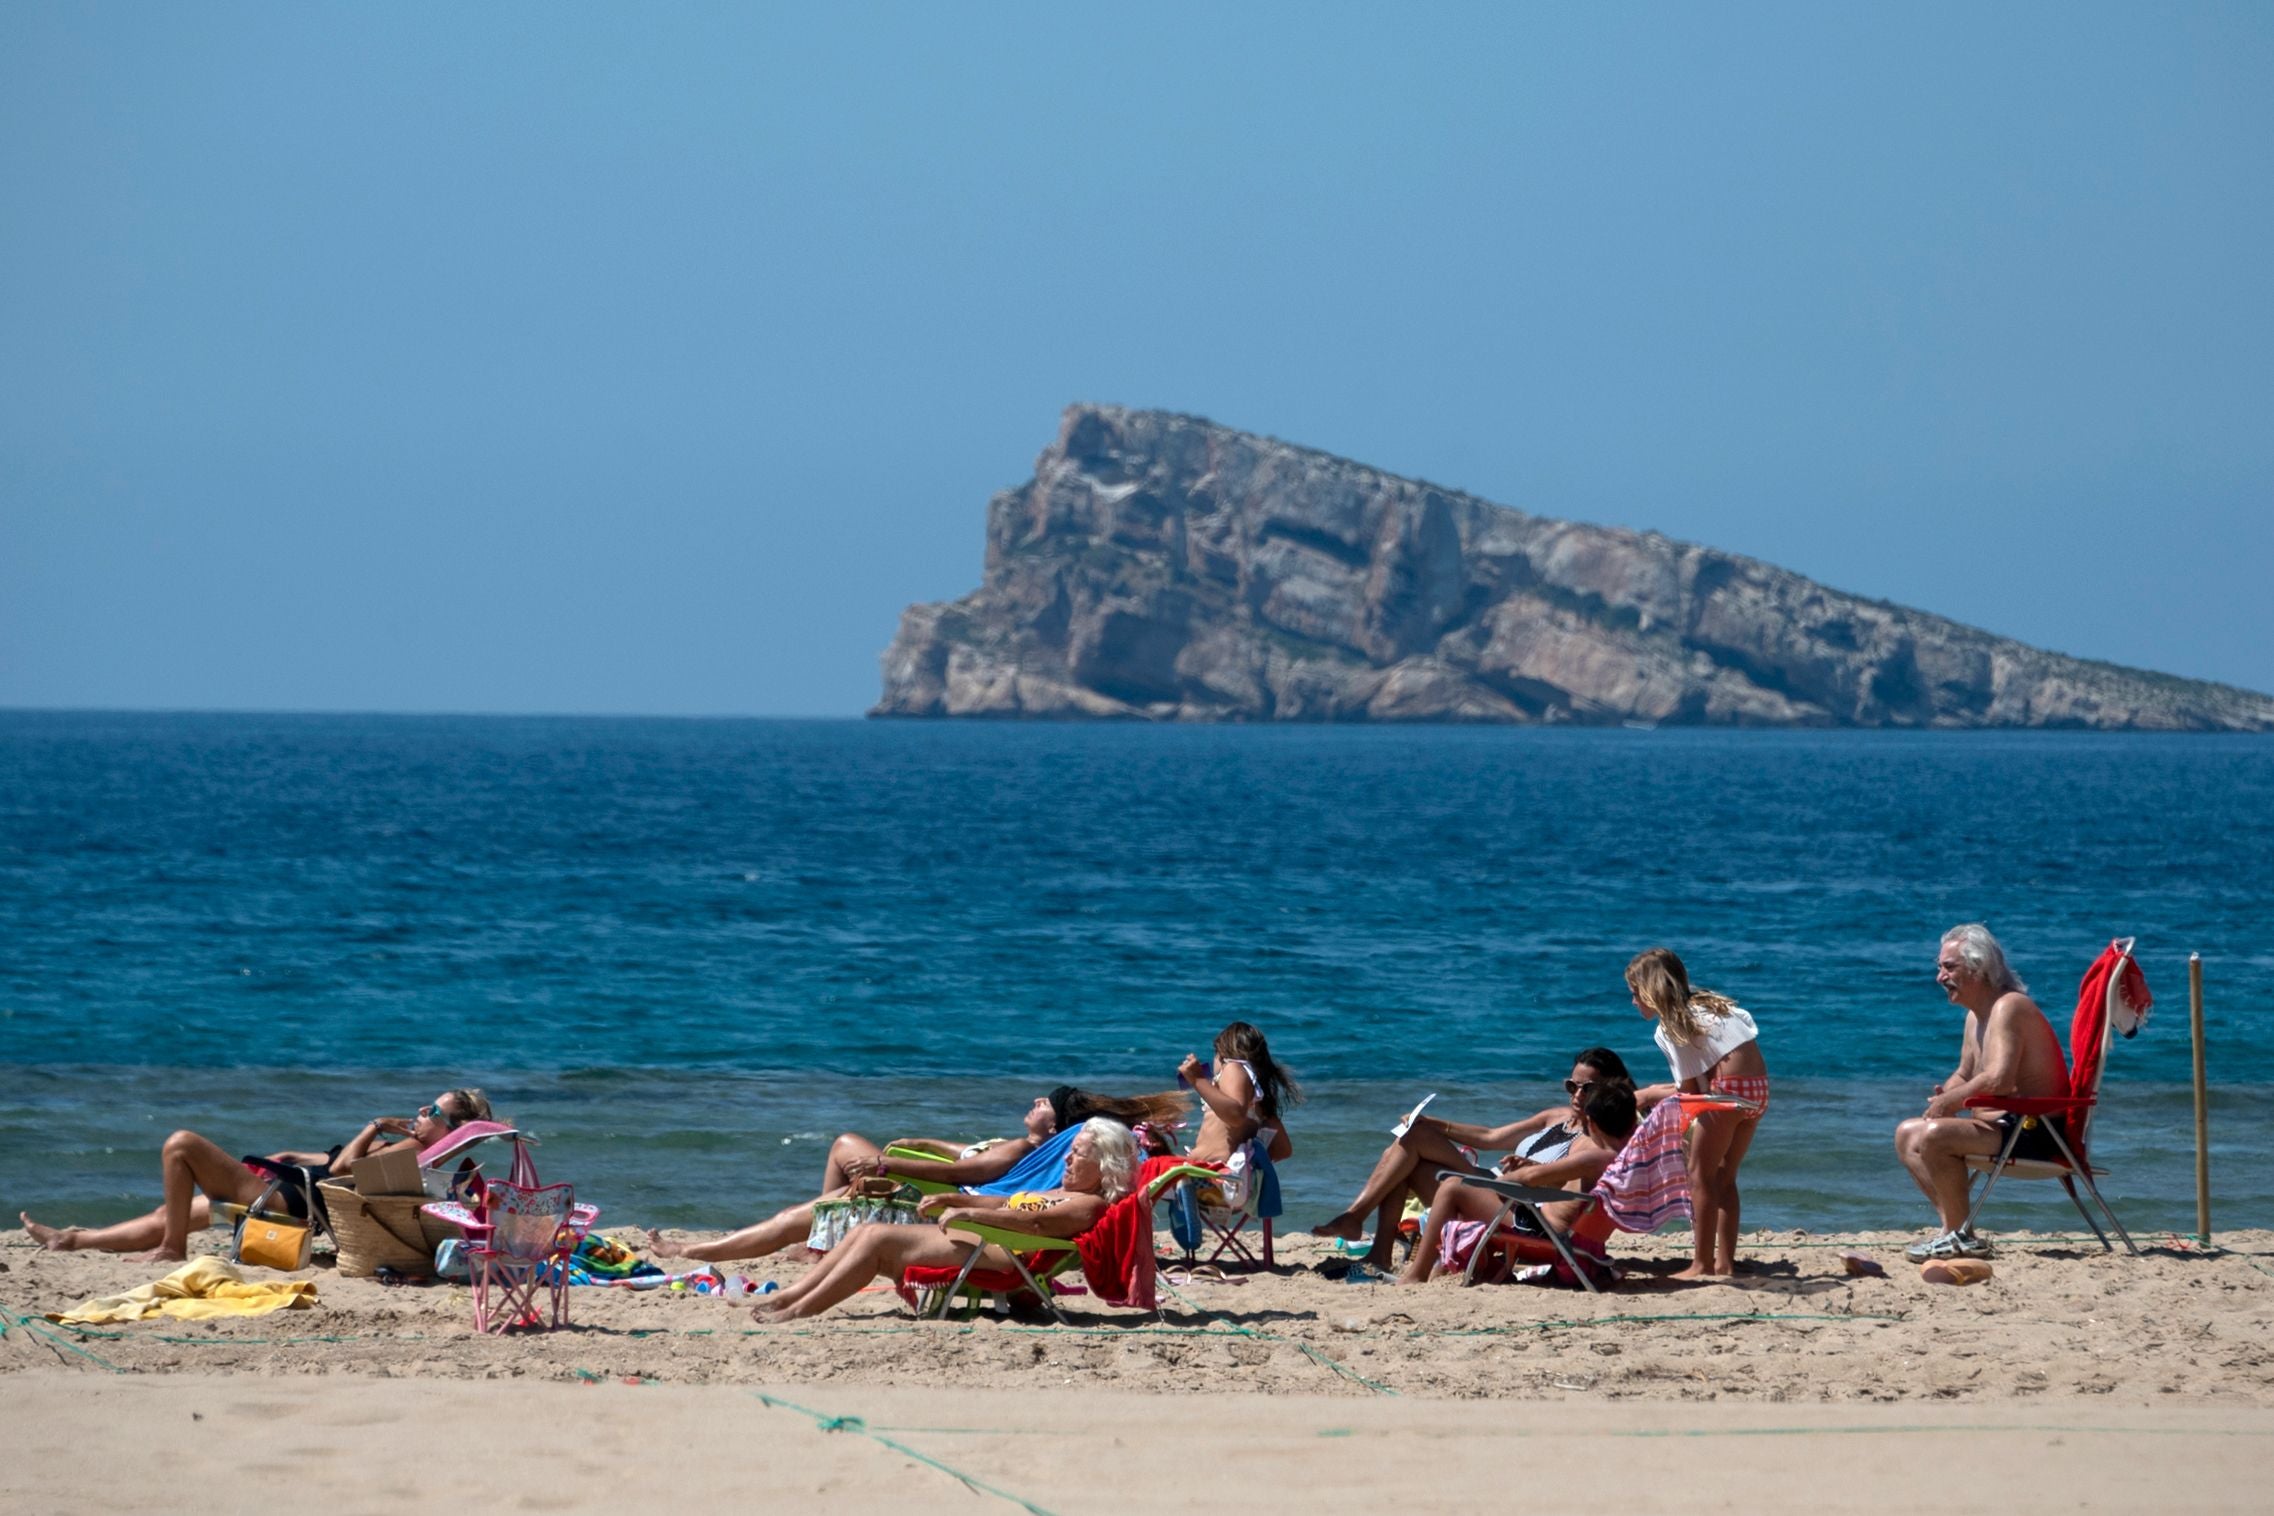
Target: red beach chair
{"points": [[2114, 996]]}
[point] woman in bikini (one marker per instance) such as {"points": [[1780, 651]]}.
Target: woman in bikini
{"points": [[854, 1159], [196, 1173], [1101, 1167], [1409, 1165], [1243, 1094]]}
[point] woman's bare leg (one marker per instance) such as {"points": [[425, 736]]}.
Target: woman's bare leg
{"points": [[190, 1163], [138, 1235], [187, 1165], [870, 1252], [1453, 1199], [1709, 1147], [776, 1232], [1418, 1154], [1725, 1233], [850, 1147]]}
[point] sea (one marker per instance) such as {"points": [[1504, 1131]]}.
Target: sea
{"points": [[685, 953]]}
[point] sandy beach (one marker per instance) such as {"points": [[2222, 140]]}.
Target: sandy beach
{"points": [[2072, 1374]]}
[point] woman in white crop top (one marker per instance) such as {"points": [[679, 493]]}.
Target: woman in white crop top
{"points": [[1712, 1047]]}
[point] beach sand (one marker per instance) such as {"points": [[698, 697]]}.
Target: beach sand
{"points": [[2074, 1376]]}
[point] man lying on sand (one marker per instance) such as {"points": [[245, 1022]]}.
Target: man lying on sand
{"points": [[189, 1164], [2007, 1048]]}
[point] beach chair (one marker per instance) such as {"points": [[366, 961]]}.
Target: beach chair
{"points": [[2113, 995], [519, 1238], [1645, 1187], [1036, 1261], [1194, 1221]]}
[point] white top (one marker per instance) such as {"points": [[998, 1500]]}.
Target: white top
{"points": [[1723, 1034]]}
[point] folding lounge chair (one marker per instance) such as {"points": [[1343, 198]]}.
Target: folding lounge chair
{"points": [[2113, 995], [1645, 1187], [1260, 1205], [1035, 1261]]}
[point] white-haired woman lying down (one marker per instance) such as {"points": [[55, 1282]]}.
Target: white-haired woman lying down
{"points": [[1101, 1167]]}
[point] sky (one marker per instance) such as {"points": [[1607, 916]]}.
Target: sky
{"points": [[612, 359]]}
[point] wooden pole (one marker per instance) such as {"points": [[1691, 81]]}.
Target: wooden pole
{"points": [[2202, 1103]]}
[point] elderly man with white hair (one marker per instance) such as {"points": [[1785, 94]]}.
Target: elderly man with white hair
{"points": [[2009, 1049]]}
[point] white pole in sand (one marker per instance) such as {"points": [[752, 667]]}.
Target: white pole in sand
{"points": [[2202, 1103]]}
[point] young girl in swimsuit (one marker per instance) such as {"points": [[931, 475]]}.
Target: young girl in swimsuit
{"points": [[1713, 1047], [1242, 1095]]}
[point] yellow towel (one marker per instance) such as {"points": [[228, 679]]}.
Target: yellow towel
{"points": [[199, 1289]]}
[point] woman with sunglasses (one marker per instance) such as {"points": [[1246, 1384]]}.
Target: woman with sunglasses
{"points": [[1542, 1145], [197, 1173]]}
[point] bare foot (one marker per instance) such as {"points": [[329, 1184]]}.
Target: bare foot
{"points": [[661, 1249], [1694, 1271], [160, 1255], [56, 1239], [1346, 1226]]}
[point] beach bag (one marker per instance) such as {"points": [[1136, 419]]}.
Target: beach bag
{"points": [[271, 1242], [375, 1232]]}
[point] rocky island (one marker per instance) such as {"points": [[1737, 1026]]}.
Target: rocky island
{"points": [[1163, 567]]}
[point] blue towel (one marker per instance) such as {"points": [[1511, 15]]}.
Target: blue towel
{"points": [[1267, 1183], [1042, 1169]]}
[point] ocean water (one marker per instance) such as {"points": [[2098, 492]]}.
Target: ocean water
{"points": [[685, 953]]}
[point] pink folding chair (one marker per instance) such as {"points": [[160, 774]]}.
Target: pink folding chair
{"points": [[527, 1240], [519, 1236]]}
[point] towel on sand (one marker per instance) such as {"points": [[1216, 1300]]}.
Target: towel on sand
{"points": [[200, 1289]]}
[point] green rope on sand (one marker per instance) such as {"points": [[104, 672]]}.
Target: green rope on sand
{"points": [[41, 1329], [1344, 1369], [858, 1427]]}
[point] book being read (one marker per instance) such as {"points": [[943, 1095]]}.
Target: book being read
{"points": [[1411, 1116]]}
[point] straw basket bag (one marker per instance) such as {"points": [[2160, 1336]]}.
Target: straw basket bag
{"points": [[382, 1231]]}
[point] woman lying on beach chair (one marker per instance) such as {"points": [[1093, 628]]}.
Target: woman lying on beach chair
{"points": [[854, 1159], [197, 1174], [1101, 1167]]}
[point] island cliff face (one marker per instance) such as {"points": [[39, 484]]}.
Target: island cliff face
{"points": [[1162, 567]]}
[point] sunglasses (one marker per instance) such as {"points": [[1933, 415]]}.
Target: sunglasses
{"points": [[1574, 1086], [439, 1114]]}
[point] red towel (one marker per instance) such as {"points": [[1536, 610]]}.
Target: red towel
{"points": [[2112, 987], [1117, 1253]]}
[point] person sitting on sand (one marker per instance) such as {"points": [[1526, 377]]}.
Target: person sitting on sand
{"points": [[853, 1158], [2007, 1048], [1101, 1167], [1242, 1095], [1459, 1213], [1409, 1165], [196, 1173]]}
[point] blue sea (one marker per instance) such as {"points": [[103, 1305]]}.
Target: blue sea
{"points": [[686, 953]]}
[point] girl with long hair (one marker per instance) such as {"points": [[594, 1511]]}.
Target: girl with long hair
{"points": [[1712, 1047]]}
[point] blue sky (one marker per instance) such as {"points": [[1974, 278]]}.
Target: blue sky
{"points": [[651, 359]]}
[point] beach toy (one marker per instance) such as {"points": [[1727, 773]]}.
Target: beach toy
{"points": [[1955, 1271]]}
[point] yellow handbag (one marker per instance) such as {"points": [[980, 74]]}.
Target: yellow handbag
{"points": [[273, 1242]]}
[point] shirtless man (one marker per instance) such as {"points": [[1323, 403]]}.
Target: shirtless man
{"points": [[2009, 1049]]}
